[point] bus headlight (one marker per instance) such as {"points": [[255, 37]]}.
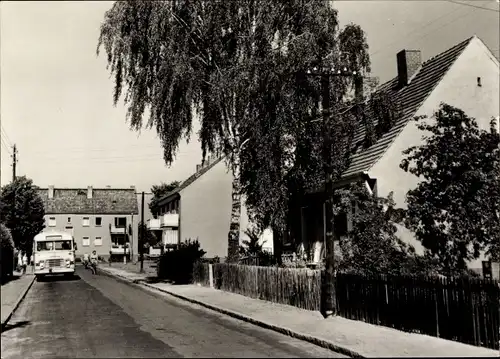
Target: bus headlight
{"points": [[40, 264], [67, 263]]}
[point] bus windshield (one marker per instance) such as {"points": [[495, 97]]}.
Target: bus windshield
{"points": [[55, 245]]}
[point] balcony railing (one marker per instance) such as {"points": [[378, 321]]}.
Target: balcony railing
{"points": [[118, 249], [153, 224], [170, 220], [117, 230]]}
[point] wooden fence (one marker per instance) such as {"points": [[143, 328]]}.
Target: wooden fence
{"points": [[298, 287], [464, 310]]}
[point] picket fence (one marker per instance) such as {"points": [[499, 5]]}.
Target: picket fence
{"points": [[464, 310]]}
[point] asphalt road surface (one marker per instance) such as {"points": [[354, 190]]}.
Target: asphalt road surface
{"points": [[97, 316]]}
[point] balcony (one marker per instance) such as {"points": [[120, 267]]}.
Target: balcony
{"points": [[153, 224], [117, 230], [170, 220], [118, 249]]}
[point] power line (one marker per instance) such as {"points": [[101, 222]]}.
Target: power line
{"points": [[412, 31], [6, 138], [475, 6], [7, 148]]}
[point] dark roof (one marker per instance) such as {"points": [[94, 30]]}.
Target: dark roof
{"points": [[103, 201], [167, 198], [410, 98]]}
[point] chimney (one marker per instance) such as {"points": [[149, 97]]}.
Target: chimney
{"points": [[89, 192], [409, 62], [51, 191]]}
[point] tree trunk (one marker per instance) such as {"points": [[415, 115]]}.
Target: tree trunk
{"points": [[233, 237]]}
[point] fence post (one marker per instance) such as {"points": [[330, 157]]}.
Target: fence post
{"points": [[211, 275]]}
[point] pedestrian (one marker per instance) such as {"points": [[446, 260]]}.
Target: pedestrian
{"points": [[25, 262]]}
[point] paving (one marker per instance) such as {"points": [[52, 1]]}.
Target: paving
{"points": [[13, 293], [97, 316], [351, 337]]}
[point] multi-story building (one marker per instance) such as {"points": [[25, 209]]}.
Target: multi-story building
{"points": [[200, 209], [101, 219]]}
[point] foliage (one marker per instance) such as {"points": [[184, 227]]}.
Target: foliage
{"points": [[160, 191], [6, 253], [241, 65], [455, 209], [22, 210], [252, 248], [6, 240], [177, 265], [372, 245], [150, 239]]}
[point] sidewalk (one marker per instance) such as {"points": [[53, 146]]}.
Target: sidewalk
{"points": [[13, 293], [346, 336]]}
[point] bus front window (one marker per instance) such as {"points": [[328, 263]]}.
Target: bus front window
{"points": [[62, 245], [44, 246]]}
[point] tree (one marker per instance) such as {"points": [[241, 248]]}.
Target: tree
{"points": [[22, 210], [242, 66], [372, 245], [6, 252], [150, 239], [158, 192], [455, 209]]}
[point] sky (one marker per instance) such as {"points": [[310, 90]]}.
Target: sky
{"points": [[56, 94]]}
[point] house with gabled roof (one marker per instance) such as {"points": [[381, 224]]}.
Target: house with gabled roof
{"points": [[465, 76], [200, 209], [100, 219]]}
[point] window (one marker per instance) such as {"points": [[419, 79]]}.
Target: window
{"points": [[98, 241], [98, 221], [62, 245], [86, 221], [52, 221], [120, 222], [86, 241], [69, 219]]}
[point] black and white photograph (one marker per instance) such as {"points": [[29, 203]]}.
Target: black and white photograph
{"points": [[250, 178]]}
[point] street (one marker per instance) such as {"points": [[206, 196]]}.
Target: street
{"points": [[97, 316]]}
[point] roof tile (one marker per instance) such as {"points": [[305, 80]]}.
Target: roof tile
{"points": [[410, 98], [103, 201]]}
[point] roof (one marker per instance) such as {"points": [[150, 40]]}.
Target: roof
{"points": [[103, 201], [410, 99], [166, 199]]}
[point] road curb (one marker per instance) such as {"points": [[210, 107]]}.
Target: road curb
{"points": [[18, 302], [286, 331]]}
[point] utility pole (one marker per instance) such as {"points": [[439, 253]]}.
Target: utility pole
{"points": [[14, 161], [329, 115], [141, 233]]}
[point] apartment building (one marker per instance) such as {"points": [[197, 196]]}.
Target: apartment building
{"points": [[101, 219]]}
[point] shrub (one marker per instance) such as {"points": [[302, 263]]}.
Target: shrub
{"points": [[7, 252], [177, 265]]}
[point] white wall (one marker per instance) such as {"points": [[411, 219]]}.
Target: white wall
{"points": [[458, 88]]}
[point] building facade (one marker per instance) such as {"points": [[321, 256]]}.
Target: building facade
{"points": [[101, 219], [465, 76], [200, 209]]}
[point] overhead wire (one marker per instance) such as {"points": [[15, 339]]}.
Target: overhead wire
{"points": [[474, 6]]}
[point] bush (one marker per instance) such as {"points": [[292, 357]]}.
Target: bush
{"points": [[7, 252], [177, 265]]}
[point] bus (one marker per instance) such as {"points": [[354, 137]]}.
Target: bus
{"points": [[54, 253]]}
